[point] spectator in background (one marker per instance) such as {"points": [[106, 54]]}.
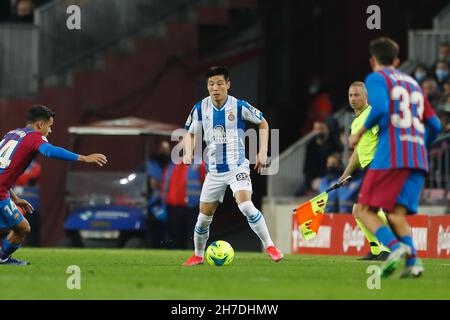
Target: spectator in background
{"points": [[157, 213], [431, 90], [443, 55], [446, 103], [340, 200], [444, 117], [320, 106], [443, 112], [24, 11], [441, 74], [19, 10], [420, 73], [446, 88], [181, 188], [334, 169], [317, 152], [342, 137], [444, 52], [333, 127], [438, 157]]}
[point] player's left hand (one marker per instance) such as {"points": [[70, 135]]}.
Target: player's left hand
{"points": [[261, 160], [25, 205]]}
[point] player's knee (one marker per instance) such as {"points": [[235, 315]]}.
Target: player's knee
{"points": [[242, 196], [248, 208], [208, 208]]}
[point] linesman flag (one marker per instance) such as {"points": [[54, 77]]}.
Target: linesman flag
{"points": [[310, 213]]}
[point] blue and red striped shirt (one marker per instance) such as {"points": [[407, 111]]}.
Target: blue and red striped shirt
{"points": [[17, 149], [406, 120]]}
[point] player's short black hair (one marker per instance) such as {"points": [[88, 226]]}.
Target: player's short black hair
{"points": [[218, 71], [39, 112], [385, 50]]}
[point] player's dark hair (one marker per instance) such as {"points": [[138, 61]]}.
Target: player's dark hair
{"points": [[218, 71], [39, 112], [385, 50]]}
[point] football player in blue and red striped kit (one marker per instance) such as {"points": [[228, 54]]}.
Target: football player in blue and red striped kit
{"points": [[407, 125], [17, 149]]}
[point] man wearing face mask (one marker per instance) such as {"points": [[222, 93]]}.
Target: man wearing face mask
{"points": [[158, 215], [443, 55], [441, 74], [317, 152], [420, 73], [334, 171]]}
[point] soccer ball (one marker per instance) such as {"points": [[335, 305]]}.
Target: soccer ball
{"points": [[219, 253]]}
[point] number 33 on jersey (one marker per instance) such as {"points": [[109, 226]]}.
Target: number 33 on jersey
{"points": [[401, 110]]}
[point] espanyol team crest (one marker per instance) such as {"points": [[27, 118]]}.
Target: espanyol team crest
{"points": [[231, 116]]}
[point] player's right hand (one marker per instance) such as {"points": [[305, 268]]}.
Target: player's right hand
{"points": [[97, 158]]}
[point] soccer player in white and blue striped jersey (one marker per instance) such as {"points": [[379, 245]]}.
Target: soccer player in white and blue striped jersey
{"points": [[221, 118]]}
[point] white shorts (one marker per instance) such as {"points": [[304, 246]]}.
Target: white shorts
{"points": [[216, 184]]}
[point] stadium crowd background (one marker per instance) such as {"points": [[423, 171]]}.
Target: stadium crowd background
{"points": [[21, 11], [292, 59]]}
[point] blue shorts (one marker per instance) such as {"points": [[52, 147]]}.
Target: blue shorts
{"points": [[10, 216], [385, 188], [410, 193]]}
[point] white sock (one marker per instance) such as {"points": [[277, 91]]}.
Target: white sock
{"points": [[201, 233], [257, 222]]}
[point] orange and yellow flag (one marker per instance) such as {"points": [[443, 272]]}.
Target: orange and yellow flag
{"points": [[309, 215]]}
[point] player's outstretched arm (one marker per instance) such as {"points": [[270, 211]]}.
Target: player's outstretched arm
{"points": [[261, 157], [53, 152], [97, 158]]}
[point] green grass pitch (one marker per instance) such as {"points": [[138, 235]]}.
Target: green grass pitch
{"points": [[158, 274]]}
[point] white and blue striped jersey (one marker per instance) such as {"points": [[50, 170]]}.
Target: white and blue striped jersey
{"points": [[224, 131]]}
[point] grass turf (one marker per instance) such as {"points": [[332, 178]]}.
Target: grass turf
{"points": [[158, 274]]}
